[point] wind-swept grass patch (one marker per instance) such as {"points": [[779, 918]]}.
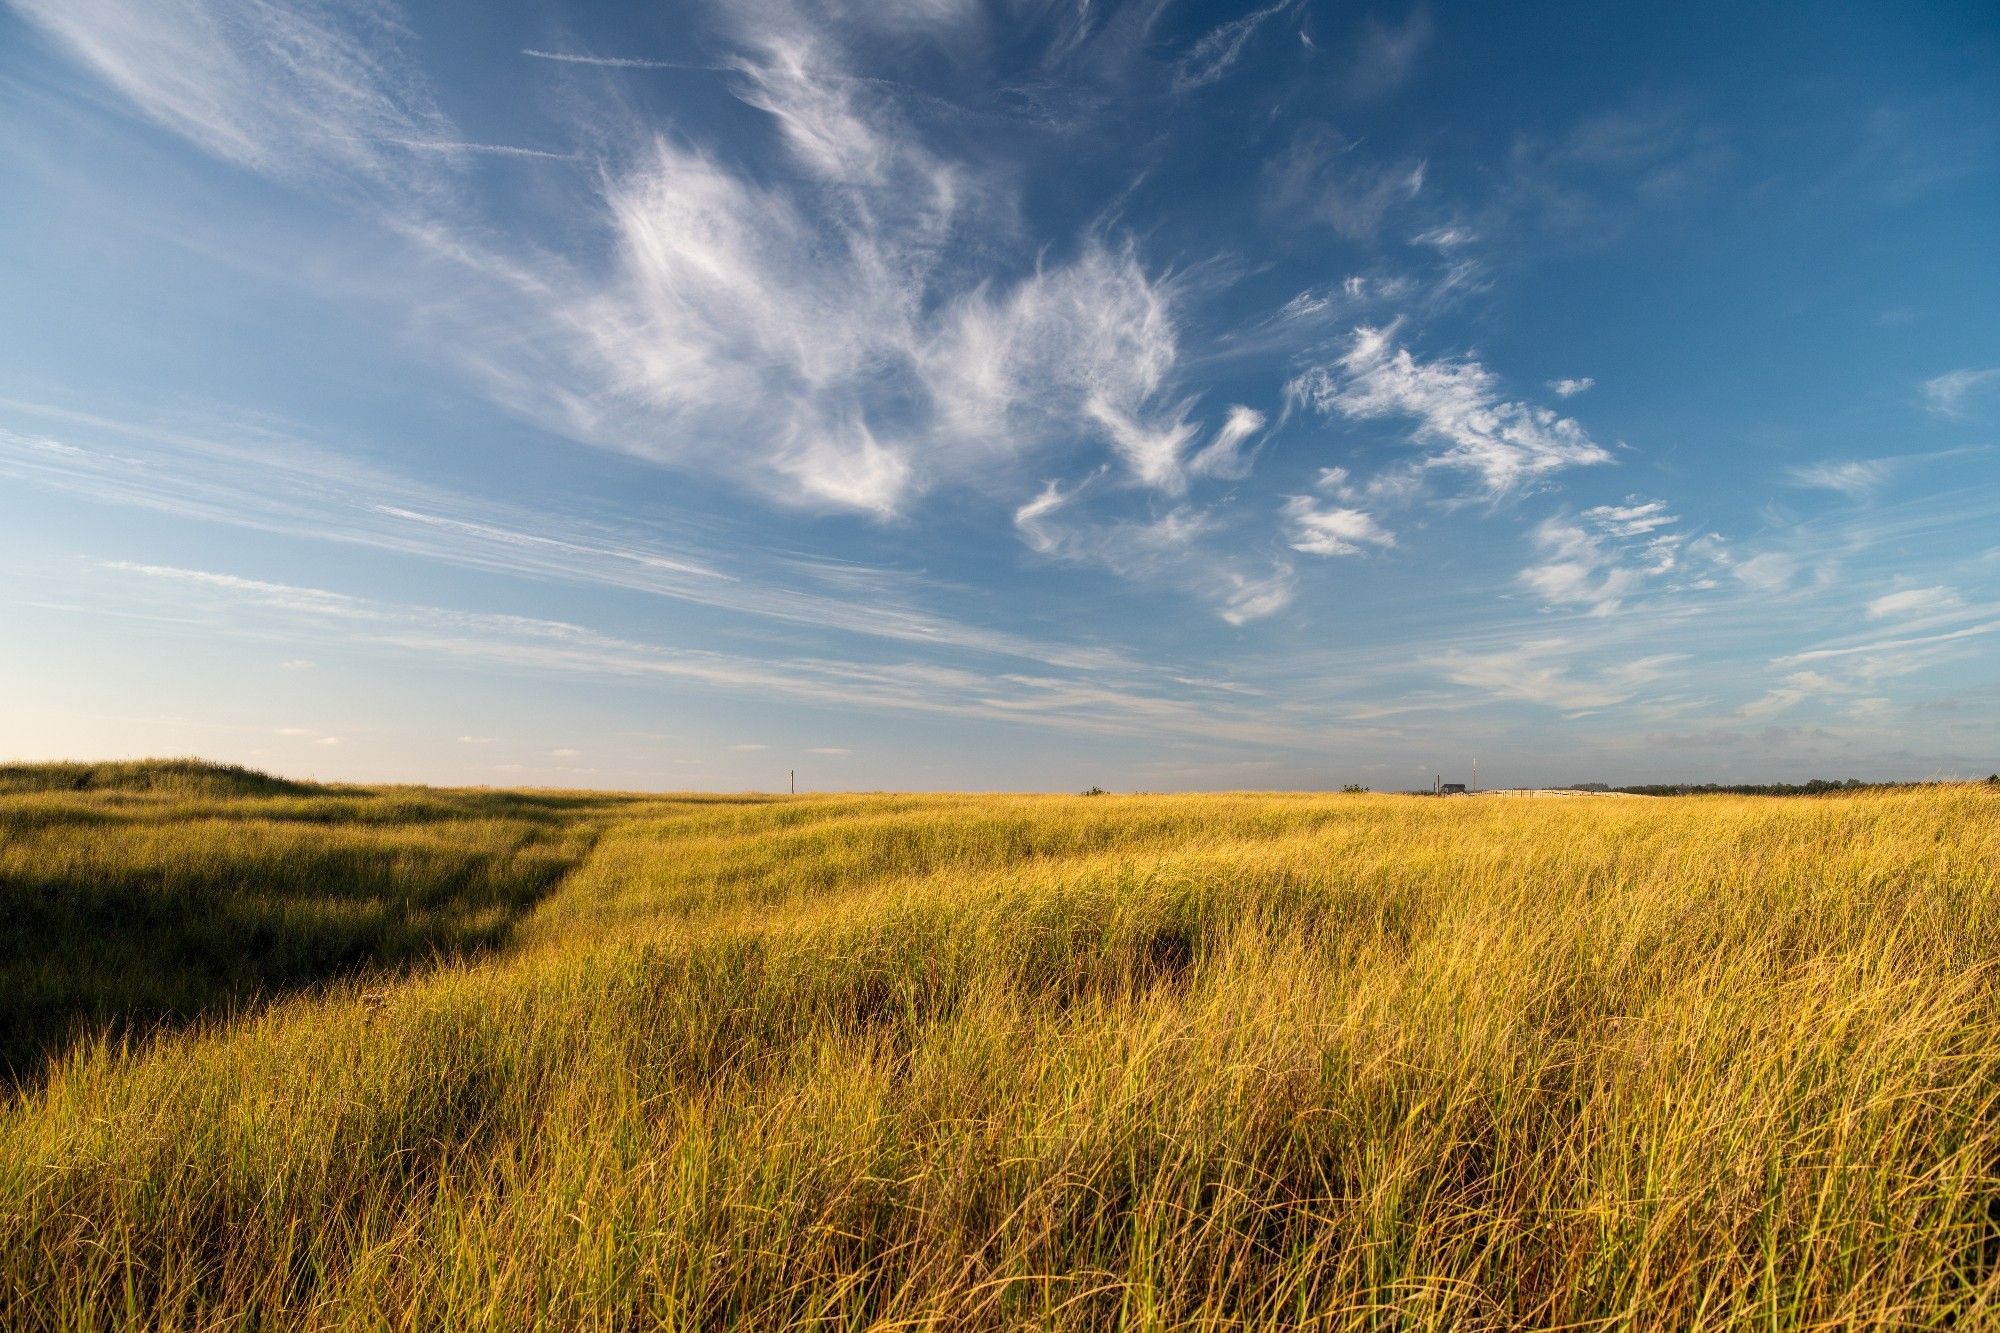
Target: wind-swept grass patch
{"points": [[1346, 1062]]}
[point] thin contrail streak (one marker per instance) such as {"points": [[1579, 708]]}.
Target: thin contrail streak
{"points": [[455, 146], [615, 62]]}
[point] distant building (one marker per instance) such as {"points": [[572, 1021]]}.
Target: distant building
{"points": [[1452, 789]]}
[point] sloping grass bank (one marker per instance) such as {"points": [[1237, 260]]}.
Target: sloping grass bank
{"points": [[955, 1062], [139, 896]]}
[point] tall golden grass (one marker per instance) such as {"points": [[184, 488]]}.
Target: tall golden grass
{"points": [[1154, 1062]]}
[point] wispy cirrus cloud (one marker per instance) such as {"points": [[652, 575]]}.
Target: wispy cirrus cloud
{"points": [[265, 481], [1247, 596], [1863, 478], [1634, 518], [1947, 395], [1543, 672], [1886, 645], [1446, 238], [1316, 528], [841, 329], [1767, 571], [1861, 665], [1858, 667], [1607, 554], [1796, 688], [1911, 602], [1855, 477], [453, 147], [1461, 415], [614, 62], [1082, 703], [295, 91], [844, 334], [1328, 178], [1221, 47], [1225, 456], [1176, 549]]}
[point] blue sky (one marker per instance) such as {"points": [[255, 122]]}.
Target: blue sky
{"points": [[926, 393]]}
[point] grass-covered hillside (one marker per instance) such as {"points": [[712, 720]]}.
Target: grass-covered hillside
{"points": [[425, 1059], [138, 895]]}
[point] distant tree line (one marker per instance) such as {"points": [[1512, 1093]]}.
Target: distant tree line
{"points": [[1812, 787]]}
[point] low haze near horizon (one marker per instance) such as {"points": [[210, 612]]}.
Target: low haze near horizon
{"points": [[943, 395]]}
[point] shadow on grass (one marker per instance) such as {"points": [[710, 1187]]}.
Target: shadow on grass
{"points": [[202, 897]]}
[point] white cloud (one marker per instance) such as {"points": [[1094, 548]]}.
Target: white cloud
{"points": [[327, 740], [1458, 409], [1249, 598], [295, 664], [1153, 453], [1223, 456], [1609, 553], [830, 750], [1945, 394], [749, 748], [839, 342], [1570, 388], [1860, 668], [1327, 178], [1400, 485], [565, 752], [1325, 530], [844, 463], [1913, 602], [1770, 572], [838, 333], [265, 481], [1579, 570], [1091, 343], [462, 147], [1219, 48], [613, 62], [720, 320], [1445, 238], [1855, 477], [1797, 687], [1178, 548], [1888, 647], [1031, 520], [1536, 673], [290, 90], [293, 731], [1631, 519], [477, 740], [846, 335]]}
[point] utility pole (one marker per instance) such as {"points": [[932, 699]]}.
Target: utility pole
{"points": [[1475, 775], [795, 782]]}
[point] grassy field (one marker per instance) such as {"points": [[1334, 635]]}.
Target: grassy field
{"points": [[396, 1058]]}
